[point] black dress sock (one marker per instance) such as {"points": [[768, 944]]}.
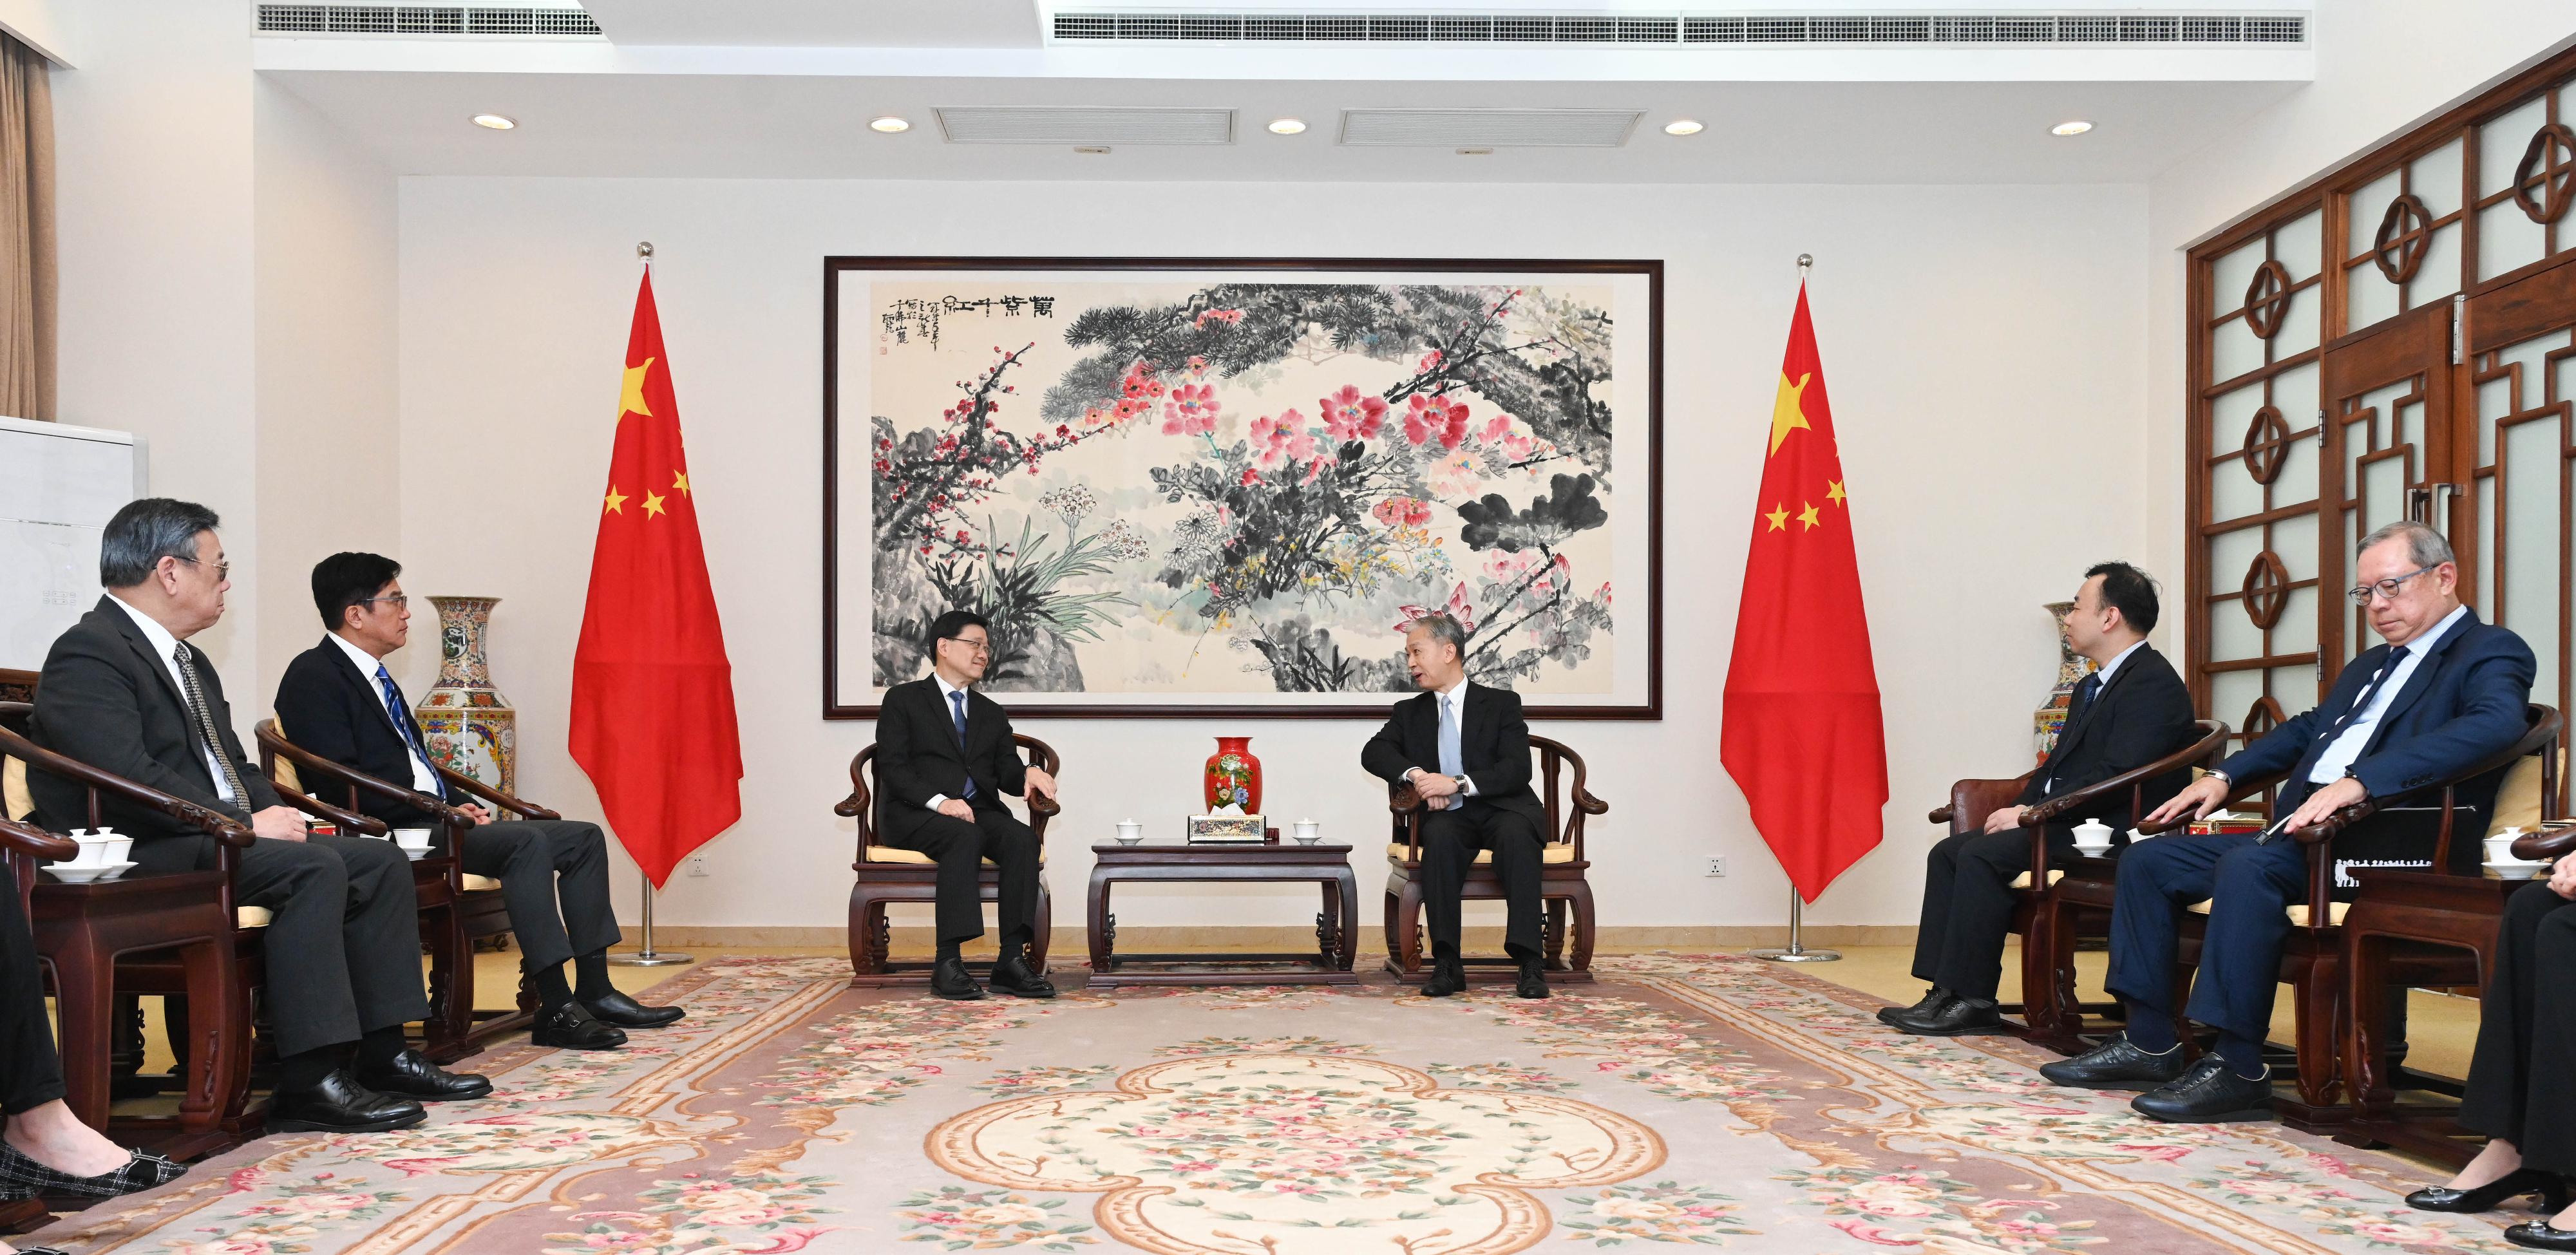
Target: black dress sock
{"points": [[1444, 949], [590, 972], [380, 1045], [2151, 1028], [1013, 942], [947, 950], [552, 992], [299, 1072], [2244, 1055]]}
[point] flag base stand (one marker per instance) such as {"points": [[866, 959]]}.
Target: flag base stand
{"points": [[1795, 952], [647, 956]]}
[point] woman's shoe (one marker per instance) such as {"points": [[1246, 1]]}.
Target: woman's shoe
{"points": [[2541, 1235], [142, 1170], [2551, 1187]]}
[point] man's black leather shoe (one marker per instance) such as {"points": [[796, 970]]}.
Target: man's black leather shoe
{"points": [[1533, 981], [949, 980], [1933, 1001], [1957, 1017], [624, 1012], [1448, 976], [2540, 1235], [2115, 1064], [411, 1075], [2549, 1187], [2210, 1093], [572, 1027], [1012, 976], [338, 1104]]}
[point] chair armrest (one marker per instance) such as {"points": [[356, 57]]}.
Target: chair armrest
{"points": [[1403, 800], [851, 807], [1981, 796], [349, 821], [213, 823], [1041, 804], [525, 809], [309, 766], [2212, 735], [2547, 845], [35, 842], [2243, 789]]}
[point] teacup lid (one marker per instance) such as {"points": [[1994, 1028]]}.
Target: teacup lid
{"points": [[2506, 834], [78, 833]]}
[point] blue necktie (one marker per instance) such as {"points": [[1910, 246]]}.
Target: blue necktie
{"points": [[1452, 763], [2297, 788], [401, 716], [957, 702]]}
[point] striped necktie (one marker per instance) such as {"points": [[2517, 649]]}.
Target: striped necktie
{"points": [[205, 721]]}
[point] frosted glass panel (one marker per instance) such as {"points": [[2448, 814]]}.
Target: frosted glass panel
{"points": [[2233, 350], [2229, 414], [2495, 400], [2367, 207], [2295, 540], [2295, 391], [2436, 180], [2485, 490], [2439, 275], [2299, 245], [2231, 635], [2508, 238], [2298, 330], [2296, 633], [2384, 494], [2233, 493], [2500, 145], [2297, 482], [2230, 554], [2410, 427], [2295, 688], [2529, 548], [2231, 694], [2230, 274], [2372, 297]]}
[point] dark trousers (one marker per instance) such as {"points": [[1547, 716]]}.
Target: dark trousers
{"points": [[1451, 840], [2251, 887], [31, 1074], [554, 879], [2519, 1083], [343, 947], [960, 849], [1968, 907]]}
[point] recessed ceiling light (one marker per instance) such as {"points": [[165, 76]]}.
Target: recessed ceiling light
{"points": [[1091, 148], [494, 121], [2076, 127], [1475, 152], [1683, 126], [1287, 126], [889, 125]]}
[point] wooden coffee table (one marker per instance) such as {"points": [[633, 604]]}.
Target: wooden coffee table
{"points": [[1336, 926]]}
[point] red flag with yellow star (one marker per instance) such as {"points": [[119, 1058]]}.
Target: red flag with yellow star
{"points": [[1803, 735], [652, 692]]}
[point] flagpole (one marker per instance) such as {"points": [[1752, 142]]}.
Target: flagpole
{"points": [[648, 956], [1796, 952]]}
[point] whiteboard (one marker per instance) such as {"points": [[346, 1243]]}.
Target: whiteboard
{"points": [[59, 485]]}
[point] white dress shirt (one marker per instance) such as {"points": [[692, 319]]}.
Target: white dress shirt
{"points": [[1457, 695], [165, 647], [423, 778], [948, 709], [2347, 747]]}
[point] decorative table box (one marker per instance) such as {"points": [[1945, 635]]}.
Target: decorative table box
{"points": [[1227, 830]]}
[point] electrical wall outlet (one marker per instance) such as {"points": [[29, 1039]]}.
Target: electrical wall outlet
{"points": [[698, 865], [1716, 865]]}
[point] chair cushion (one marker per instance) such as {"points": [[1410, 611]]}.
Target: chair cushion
{"points": [[479, 884], [282, 773], [897, 854], [252, 916], [2298, 913], [2517, 800], [1552, 852], [14, 797], [2022, 881]]}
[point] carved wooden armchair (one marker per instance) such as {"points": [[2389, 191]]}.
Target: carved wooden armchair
{"points": [[2048, 925], [22, 847], [888, 874], [1562, 864]]}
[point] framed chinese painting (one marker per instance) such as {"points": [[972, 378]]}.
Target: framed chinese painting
{"points": [[1221, 486]]}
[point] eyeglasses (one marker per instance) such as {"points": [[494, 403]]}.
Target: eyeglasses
{"points": [[2386, 588], [972, 646], [223, 570], [397, 601]]}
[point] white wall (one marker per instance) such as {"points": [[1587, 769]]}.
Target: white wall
{"points": [[1978, 341]]}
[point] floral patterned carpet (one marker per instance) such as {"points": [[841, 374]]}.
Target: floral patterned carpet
{"points": [[1686, 1099]]}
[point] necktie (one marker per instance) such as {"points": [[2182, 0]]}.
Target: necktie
{"points": [[2387, 667], [205, 721], [957, 702], [2296, 789], [1451, 764], [401, 715], [2086, 690]]}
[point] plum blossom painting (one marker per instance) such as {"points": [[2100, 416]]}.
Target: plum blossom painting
{"points": [[1182, 488]]}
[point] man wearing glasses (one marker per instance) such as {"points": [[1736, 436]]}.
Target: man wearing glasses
{"points": [[944, 759], [2444, 692], [338, 700]]}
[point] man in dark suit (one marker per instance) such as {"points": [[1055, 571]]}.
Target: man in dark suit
{"points": [[2445, 692], [1465, 749], [123, 693], [339, 701], [944, 759], [2130, 712]]}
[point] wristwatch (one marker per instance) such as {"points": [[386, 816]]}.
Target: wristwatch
{"points": [[2222, 777]]}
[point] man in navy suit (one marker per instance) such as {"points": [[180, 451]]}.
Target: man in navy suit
{"points": [[2445, 692], [945, 757]]}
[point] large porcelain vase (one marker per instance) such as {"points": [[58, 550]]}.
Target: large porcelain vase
{"points": [[2072, 667], [1234, 775], [472, 729]]}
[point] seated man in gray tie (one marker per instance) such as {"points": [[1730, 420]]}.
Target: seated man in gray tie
{"points": [[1465, 748], [338, 700]]}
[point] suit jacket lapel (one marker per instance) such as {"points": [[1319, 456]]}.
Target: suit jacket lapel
{"points": [[159, 667], [2422, 677]]}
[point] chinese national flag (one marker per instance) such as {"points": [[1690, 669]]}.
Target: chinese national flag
{"points": [[652, 693], [1803, 736]]}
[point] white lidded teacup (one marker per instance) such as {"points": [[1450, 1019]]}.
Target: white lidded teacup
{"points": [[1308, 832], [1130, 832], [414, 842], [101, 847], [2092, 836]]}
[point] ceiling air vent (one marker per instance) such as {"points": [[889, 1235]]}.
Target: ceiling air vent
{"points": [[1631, 29], [423, 19], [1488, 128], [1084, 127]]}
